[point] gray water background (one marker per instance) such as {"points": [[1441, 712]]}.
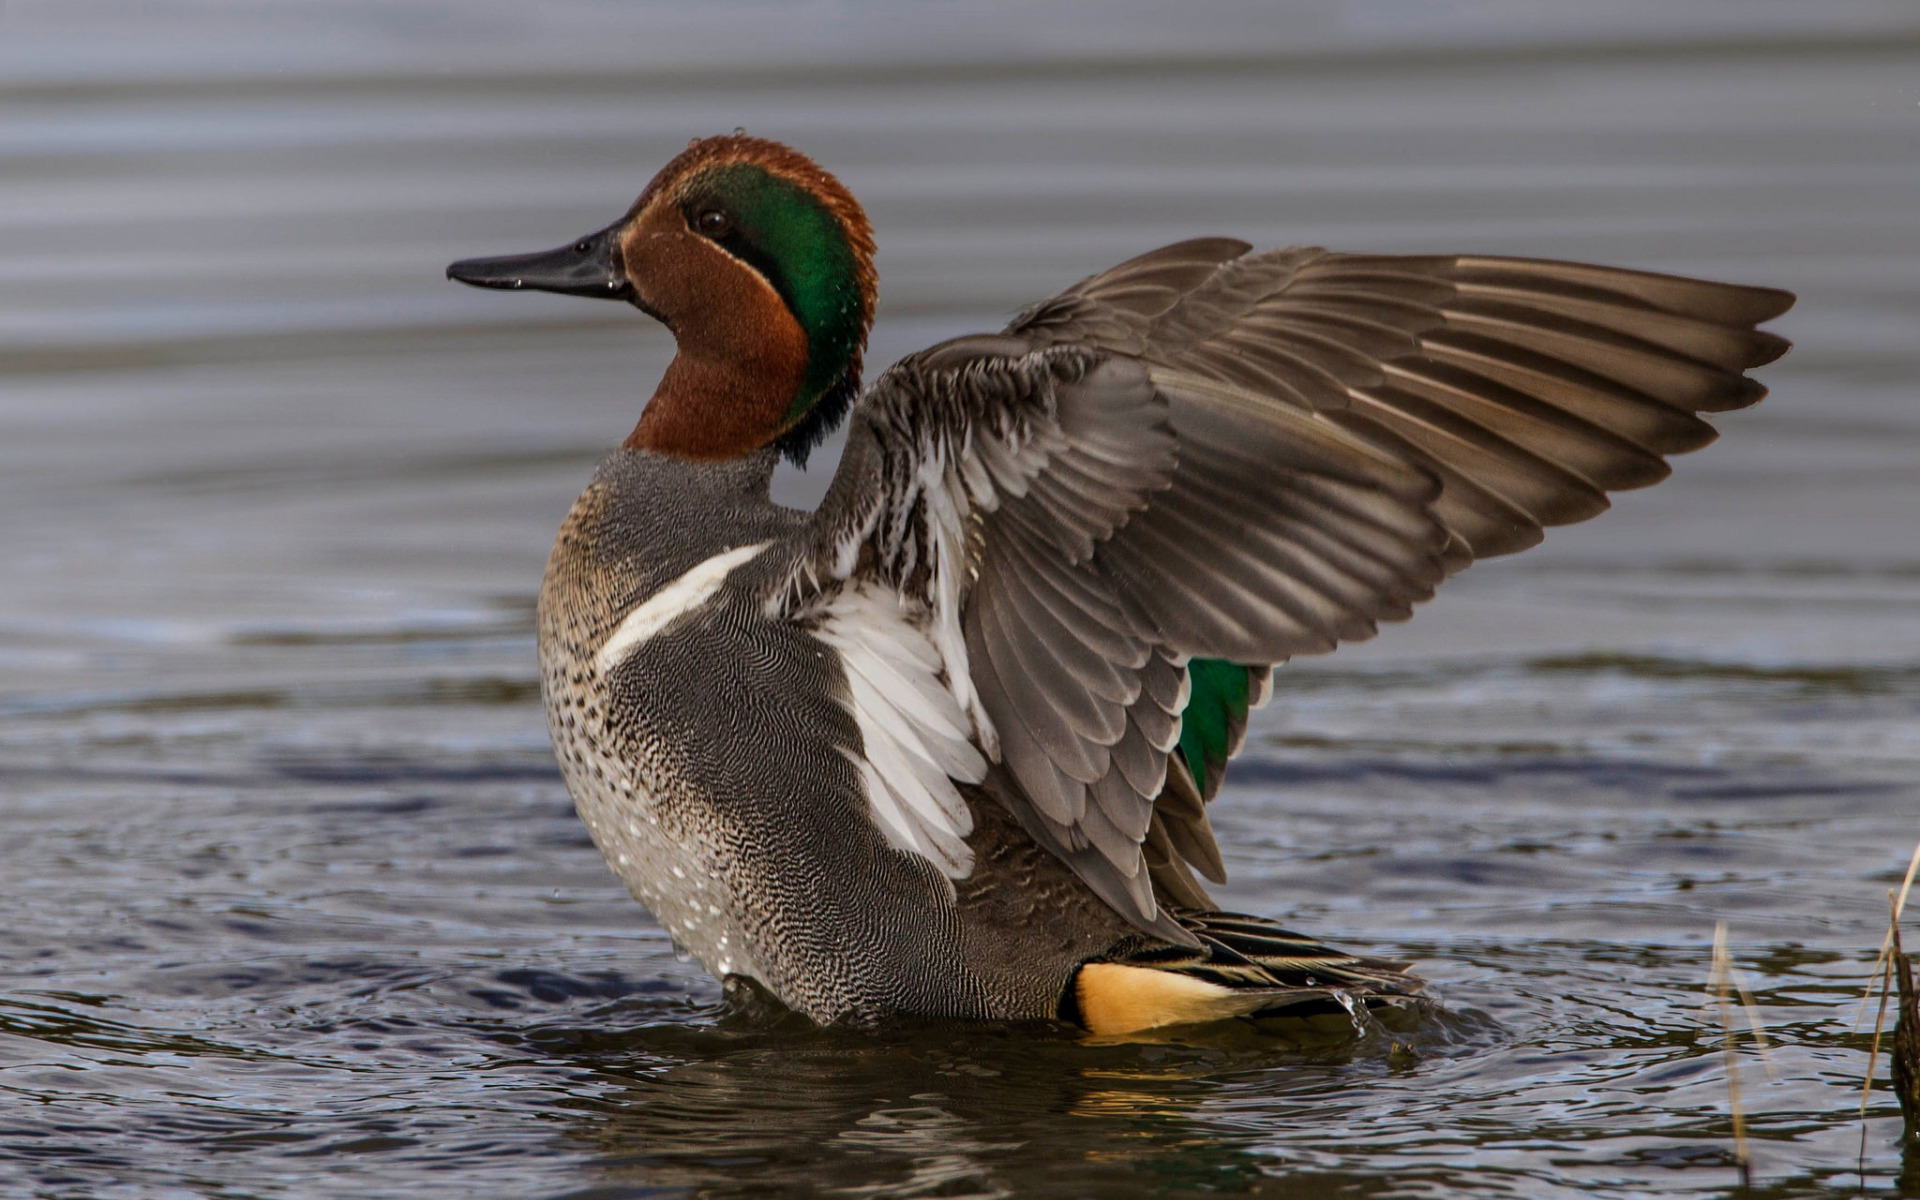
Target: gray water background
{"points": [[292, 902]]}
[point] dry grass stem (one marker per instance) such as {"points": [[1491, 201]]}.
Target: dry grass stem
{"points": [[1883, 976], [1878, 974], [1720, 980]]}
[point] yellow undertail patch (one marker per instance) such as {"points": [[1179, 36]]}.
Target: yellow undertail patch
{"points": [[1120, 999]]}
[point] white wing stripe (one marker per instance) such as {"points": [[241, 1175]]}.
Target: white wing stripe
{"points": [[694, 588], [899, 727], [915, 786], [887, 813], [938, 718], [913, 733]]}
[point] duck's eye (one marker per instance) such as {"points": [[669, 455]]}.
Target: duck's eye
{"points": [[713, 222], [582, 246]]}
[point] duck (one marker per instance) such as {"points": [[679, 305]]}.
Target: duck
{"points": [[943, 748]]}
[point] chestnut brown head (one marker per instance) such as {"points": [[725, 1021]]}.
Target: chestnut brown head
{"points": [[760, 262]]}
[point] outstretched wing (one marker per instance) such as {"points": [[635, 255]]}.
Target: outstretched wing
{"points": [[1105, 524], [1529, 388]]}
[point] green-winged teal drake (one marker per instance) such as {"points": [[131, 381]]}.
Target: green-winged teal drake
{"points": [[943, 748]]}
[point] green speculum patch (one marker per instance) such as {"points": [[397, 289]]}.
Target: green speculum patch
{"points": [[790, 236], [1218, 698]]}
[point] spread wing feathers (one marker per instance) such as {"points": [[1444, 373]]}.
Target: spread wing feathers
{"points": [[1278, 534], [1205, 458], [1054, 520], [1530, 388]]}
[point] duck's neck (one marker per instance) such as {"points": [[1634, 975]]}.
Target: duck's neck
{"points": [[731, 388]]}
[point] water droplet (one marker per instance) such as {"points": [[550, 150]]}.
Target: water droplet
{"points": [[1354, 1010]]}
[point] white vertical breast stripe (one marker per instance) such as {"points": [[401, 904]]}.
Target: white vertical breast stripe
{"points": [[672, 602]]}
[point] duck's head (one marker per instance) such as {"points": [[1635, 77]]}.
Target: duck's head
{"points": [[760, 263]]}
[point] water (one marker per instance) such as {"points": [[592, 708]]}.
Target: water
{"points": [[293, 903]]}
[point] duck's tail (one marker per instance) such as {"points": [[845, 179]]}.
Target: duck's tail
{"points": [[1245, 966]]}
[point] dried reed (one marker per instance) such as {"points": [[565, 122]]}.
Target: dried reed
{"points": [[1725, 982], [1893, 970]]}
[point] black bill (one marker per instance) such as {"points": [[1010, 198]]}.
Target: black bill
{"points": [[589, 267]]}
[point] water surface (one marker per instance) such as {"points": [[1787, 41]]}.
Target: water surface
{"points": [[293, 902]]}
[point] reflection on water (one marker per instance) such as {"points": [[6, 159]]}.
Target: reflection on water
{"points": [[292, 901], [974, 1111]]}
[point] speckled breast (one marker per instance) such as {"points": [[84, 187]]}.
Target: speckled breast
{"points": [[708, 756]]}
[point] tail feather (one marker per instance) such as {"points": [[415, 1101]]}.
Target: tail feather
{"points": [[1244, 966]]}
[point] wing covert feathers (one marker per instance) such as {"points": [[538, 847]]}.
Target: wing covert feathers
{"points": [[916, 744], [1207, 456]]}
